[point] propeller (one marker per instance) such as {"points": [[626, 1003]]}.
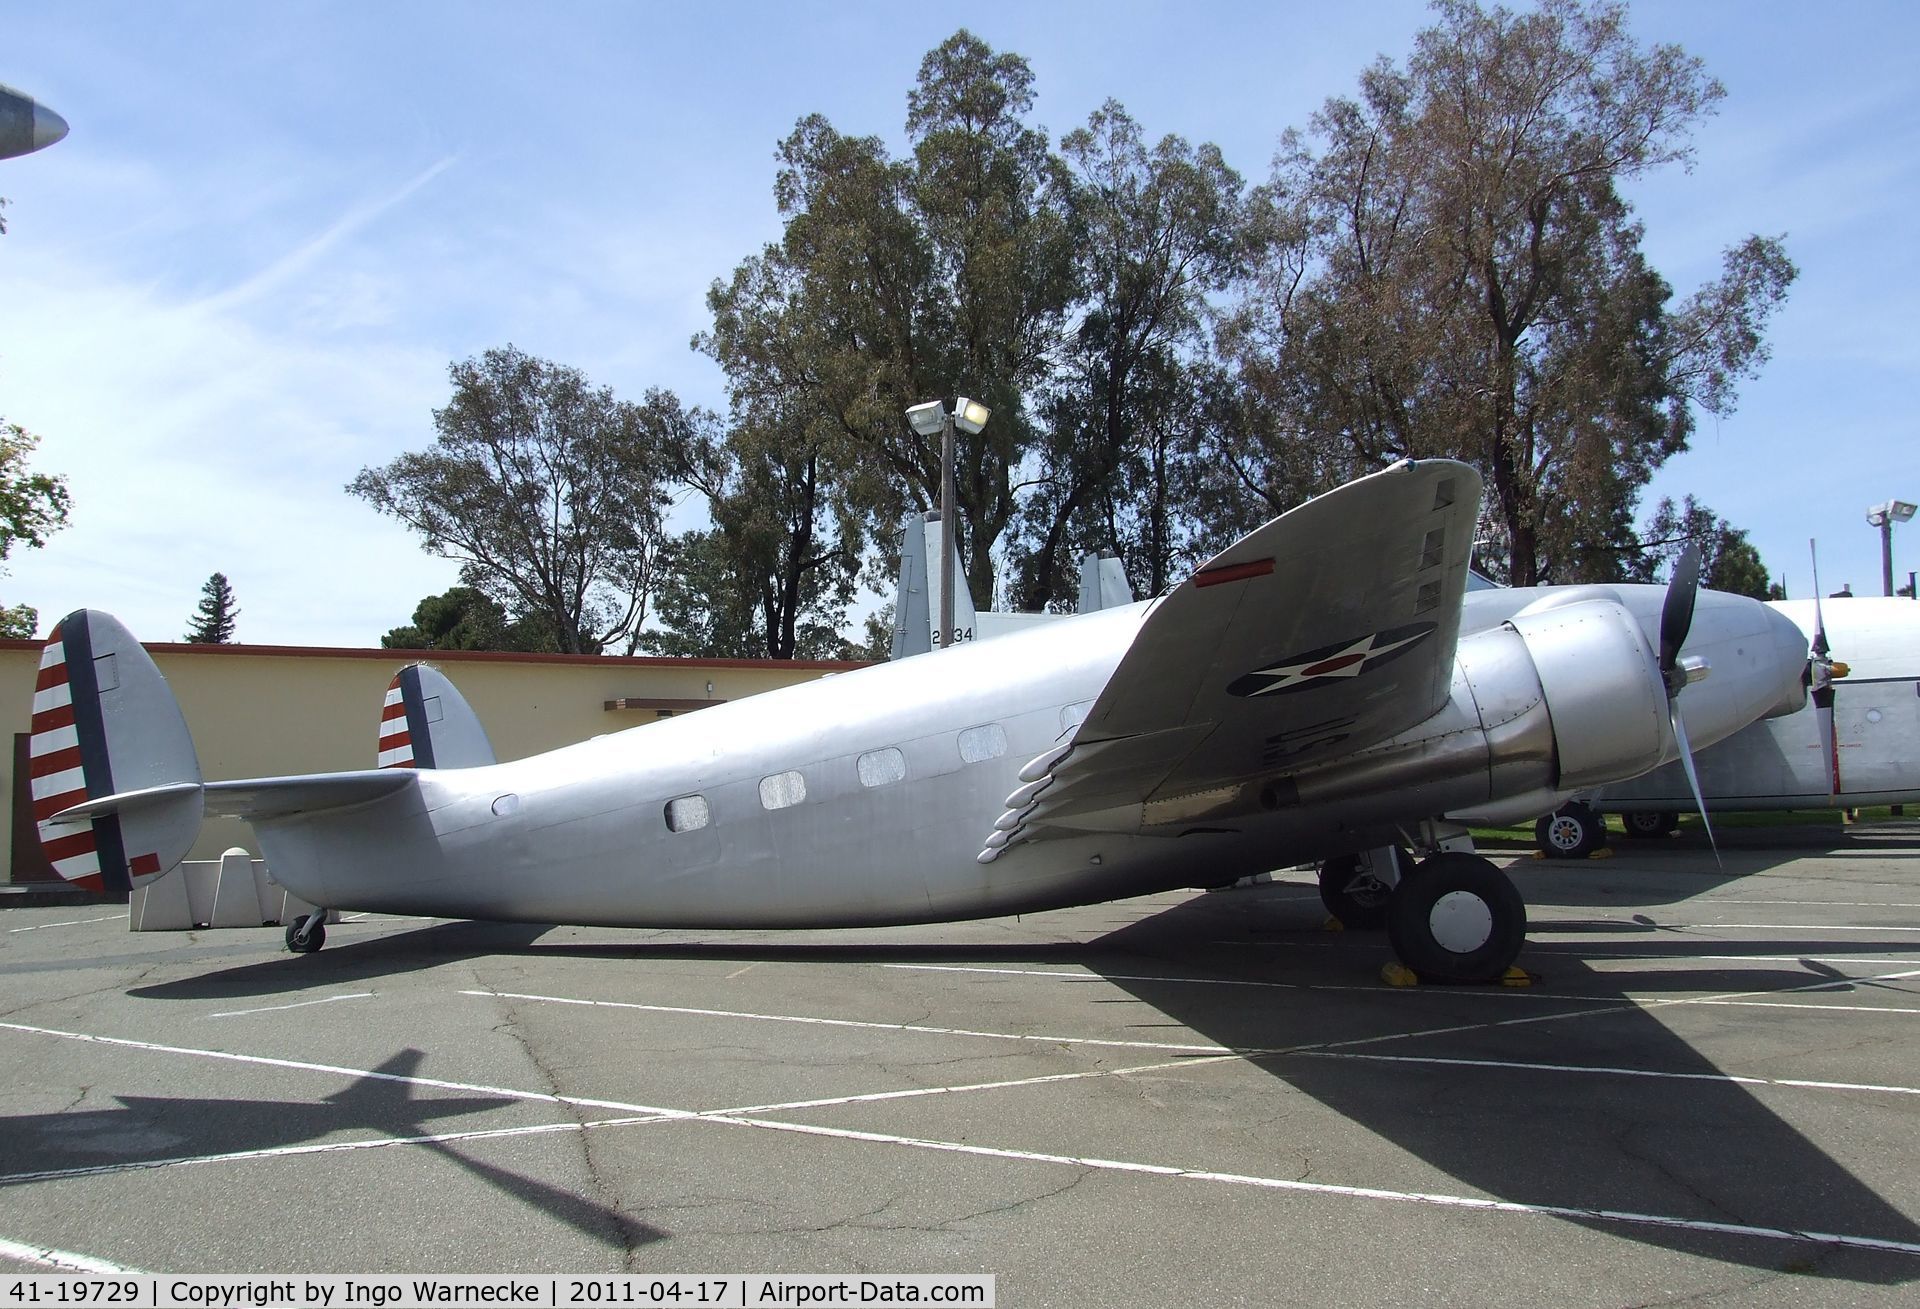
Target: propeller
{"points": [[1821, 670], [1676, 618]]}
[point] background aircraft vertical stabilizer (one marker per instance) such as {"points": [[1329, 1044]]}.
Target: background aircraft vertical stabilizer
{"points": [[917, 598], [1103, 583]]}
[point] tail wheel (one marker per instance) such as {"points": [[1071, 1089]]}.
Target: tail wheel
{"points": [[1572, 831], [1354, 894], [1457, 919], [305, 939], [1651, 825]]}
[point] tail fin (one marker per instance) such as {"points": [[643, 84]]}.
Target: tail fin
{"points": [[105, 724], [427, 723], [916, 597]]}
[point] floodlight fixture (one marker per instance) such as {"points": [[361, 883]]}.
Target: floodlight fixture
{"points": [[971, 416], [1883, 516], [927, 419]]}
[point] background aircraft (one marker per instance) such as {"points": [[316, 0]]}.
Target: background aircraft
{"points": [[1865, 752], [1310, 692], [26, 125]]}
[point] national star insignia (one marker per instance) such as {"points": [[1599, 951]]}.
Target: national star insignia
{"points": [[1346, 660]]}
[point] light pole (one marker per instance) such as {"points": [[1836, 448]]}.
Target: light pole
{"points": [[928, 418], [1884, 516]]}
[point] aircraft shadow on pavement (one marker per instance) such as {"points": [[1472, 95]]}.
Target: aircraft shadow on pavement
{"points": [[1706, 1151], [272, 971], [148, 1130]]}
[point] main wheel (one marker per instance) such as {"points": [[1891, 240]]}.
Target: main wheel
{"points": [[1457, 919], [302, 940], [1572, 831], [1649, 825], [1354, 894]]}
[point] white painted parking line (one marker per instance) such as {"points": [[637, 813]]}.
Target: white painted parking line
{"points": [[1061, 975], [1823, 1008], [1615, 1216], [1789, 927], [1481, 993], [1818, 904], [320, 1147], [301, 1065], [810, 1020], [1142, 1169], [298, 1004], [62, 1261], [1603, 1070], [71, 922]]}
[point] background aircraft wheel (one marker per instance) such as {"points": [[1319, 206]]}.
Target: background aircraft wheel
{"points": [[312, 941], [1572, 831], [1457, 919], [1351, 892], [1650, 826]]}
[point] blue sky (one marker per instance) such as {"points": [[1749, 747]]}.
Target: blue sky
{"points": [[243, 275]]}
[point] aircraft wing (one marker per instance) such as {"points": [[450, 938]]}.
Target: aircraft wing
{"points": [[1327, 630]]}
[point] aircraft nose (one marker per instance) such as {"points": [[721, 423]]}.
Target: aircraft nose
{"points": [[48, 127]]}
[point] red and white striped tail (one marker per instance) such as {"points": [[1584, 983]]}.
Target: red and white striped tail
{"points": [[107, 733], [426, 723], [396, 742], [58, 778]]}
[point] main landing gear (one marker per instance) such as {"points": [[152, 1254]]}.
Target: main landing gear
{"points": [[1650, 825], [1573, 831], [307, 933], [1452, 917]]}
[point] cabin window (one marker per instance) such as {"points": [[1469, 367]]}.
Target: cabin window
{"points": [[688, 813], [881, 767], [978, 744], [1071, 716], [782, 790]]}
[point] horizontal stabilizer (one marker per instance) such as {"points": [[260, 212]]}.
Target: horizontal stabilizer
{"points": [[283, 797]]}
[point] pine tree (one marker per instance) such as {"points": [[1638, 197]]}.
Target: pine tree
{"points": [[213, 623]]}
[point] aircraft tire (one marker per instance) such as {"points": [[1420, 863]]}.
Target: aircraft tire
{"points": [[312, 941], [1649, 825], [1458, 919], [1573, 831]]}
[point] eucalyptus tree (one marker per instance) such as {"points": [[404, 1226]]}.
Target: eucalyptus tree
{"points": [[550, 492], [1455, 271]]}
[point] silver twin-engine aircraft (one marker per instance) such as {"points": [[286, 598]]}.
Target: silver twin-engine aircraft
{"points": [[1316, 691]]}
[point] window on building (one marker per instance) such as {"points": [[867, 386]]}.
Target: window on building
{"points": [[782, 790], [978, 744], [688, 813], [881, 767]]}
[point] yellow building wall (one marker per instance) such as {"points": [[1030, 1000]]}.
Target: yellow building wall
{"points": [[266, 711]]}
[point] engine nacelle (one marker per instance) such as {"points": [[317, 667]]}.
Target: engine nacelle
{"points": [[1605, 696]]}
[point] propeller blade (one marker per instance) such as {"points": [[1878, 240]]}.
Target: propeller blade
{"points": [[1820, 646], [1829, 748], [1820, 683], [1693, 778], [1676, 612]]}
